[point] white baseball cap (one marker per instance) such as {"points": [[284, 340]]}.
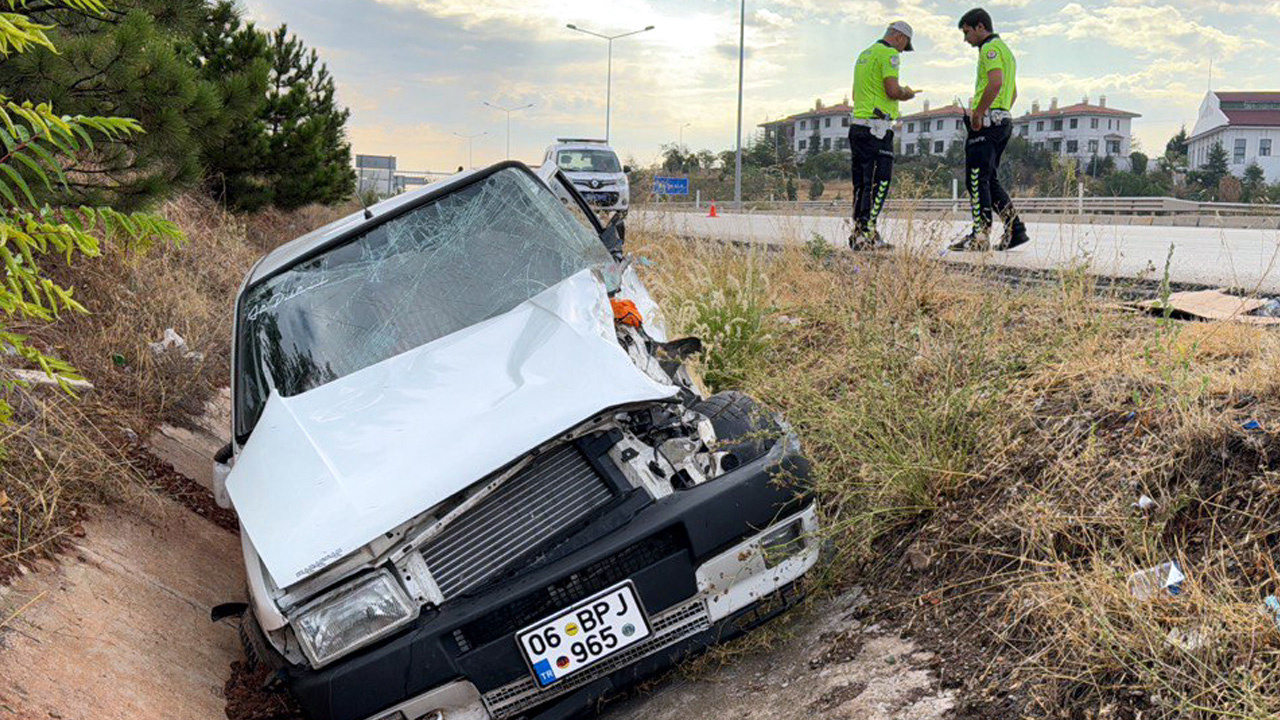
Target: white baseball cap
{"points": [[902, 27]]}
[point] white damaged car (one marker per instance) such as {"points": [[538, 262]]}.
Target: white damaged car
{"points": [[474, 477]]}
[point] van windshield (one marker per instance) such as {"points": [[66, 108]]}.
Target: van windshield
{"points": [[454, 262], [599, 161]]}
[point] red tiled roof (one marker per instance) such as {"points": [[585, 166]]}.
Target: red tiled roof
{"points": [[841, 109], [1080, 109], [1249, 97], [952, 110], [1254, 118]]}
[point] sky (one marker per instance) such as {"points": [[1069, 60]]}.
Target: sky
{"points": [[415, 73]]}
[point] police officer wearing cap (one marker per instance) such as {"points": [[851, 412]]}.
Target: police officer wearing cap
{"points": [[876, 93], [990, 127]]}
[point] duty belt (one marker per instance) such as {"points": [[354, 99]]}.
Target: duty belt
{"points": [[996, 117], [879, 128]]}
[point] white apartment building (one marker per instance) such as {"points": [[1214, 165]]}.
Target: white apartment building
{"points": [[1247, 124], [1082, 131], [931, 132], [822, 129]]}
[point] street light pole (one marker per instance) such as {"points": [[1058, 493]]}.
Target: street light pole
{"points": [[742, 53], [608, 92], [508, 111], [682, 127], [470, 145]]}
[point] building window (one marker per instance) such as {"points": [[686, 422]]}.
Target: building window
{"points": [[1073, 146], [826, 143], [803, 144], [846, 121], [1039, 126], [1093, 147], [801, 127], [1264, 147], [939, 126], [1093, 124], [1056, 146], [828, 123], [939, 147], [911, 127], [1113, 147], [1057, 124], [1075, 123], [911, 148], [1242, 145], [959, 124], [1024, 130], [840, 143]]}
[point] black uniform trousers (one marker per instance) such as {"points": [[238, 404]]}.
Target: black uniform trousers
{"points": [[872, 171], [987, 196]]}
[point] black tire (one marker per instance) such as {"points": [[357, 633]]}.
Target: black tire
{"points": [[744, 428]]}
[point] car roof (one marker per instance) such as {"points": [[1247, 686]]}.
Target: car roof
{"points": [[311, 243], [583, 146]]}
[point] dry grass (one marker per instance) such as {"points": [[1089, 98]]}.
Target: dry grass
{"points": [[1005, 434], [63, 456]]}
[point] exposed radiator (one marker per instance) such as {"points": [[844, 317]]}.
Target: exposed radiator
{"points": [[555, 491]]}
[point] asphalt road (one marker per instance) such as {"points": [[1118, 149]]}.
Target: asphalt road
{"points": [[1223, 257]]}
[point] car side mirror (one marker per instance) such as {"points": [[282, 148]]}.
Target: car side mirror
{"points": [[222, 462], [626, 169], [614, 235]]}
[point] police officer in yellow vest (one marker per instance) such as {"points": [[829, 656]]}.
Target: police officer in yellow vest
{"points": [[990, 127], [876, 93]]}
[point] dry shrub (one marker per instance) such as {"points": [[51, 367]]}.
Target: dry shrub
{"points": [[1005, 434]]}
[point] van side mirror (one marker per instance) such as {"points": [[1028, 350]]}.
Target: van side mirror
{"points": [[614, 235], [626, 169]]}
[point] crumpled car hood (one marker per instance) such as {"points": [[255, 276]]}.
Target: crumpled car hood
{"points": [[329, 470]]}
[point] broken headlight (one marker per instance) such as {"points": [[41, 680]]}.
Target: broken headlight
{"points": [[352, 616]]}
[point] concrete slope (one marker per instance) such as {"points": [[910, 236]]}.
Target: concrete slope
{"points": [[120, 629], [1226, 257]]}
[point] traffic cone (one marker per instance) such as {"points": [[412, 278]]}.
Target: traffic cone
{"points": [[713, 210]]}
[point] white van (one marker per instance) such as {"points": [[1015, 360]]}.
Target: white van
{"points": [[595, 171]]}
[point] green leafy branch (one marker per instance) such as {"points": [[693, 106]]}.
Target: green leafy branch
{"points": [[36, 141]]}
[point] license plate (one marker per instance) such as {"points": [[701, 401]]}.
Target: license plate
{"points": [[578, 637], [597, 198]]}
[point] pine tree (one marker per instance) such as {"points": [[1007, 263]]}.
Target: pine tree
{"points": [[123, 61], [309, 153], [1215, 168], [1254, 187], [237, 58], [1177, 145]]}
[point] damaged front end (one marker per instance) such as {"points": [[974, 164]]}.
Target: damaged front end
{"points": [[460, 420]]}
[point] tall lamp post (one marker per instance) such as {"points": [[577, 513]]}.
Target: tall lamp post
{"points": [[608, 93], [470, 143], [508, 111], [682, 127], [742, 53]]}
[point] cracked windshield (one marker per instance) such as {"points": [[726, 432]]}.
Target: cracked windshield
{"points": [[460, 260]]}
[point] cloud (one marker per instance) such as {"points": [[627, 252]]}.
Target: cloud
{"points": [[1148, 30]]}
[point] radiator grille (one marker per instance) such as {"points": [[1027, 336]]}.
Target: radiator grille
{"points": [[670, 627], [569, 590], [554, 492]]}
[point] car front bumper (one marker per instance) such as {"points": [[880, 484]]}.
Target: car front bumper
{"points": [[693, 558]]}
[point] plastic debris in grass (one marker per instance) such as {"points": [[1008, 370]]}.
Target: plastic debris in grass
{"points": [[1271, 309], [1146, 503], [175, 342], [1165, 578], [1272, 604], [1252, 426]]}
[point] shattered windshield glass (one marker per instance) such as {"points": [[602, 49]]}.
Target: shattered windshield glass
{"points": [[600, 161], [454, 262]]}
